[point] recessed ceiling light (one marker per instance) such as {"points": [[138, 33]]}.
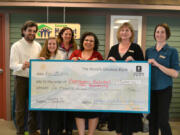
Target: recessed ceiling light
{"points": [[121, 21], [116, 27]]}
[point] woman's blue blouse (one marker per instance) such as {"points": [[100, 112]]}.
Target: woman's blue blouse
{"points": [[168, 57]]}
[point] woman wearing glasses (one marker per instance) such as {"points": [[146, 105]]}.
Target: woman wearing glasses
{"points": [[88, 51]]}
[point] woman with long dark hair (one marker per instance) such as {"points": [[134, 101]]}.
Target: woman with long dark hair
{"points": [[88, 51]]}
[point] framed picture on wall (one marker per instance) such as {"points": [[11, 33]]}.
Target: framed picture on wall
{"points": [[118, 20]]}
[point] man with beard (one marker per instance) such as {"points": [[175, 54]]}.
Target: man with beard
{"points": [[21, 52]]}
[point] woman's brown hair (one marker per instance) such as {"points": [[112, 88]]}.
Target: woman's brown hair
{"points": [[60, 39], [167, 29]]}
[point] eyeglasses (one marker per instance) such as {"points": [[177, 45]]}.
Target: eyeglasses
{"points": [[91, 41]]}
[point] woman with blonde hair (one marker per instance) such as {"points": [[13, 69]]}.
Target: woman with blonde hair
{"points": [[48, 119], [50, 49], [125, 50]]}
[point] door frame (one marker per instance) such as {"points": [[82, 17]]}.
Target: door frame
{"points": [[3, 91], [6, 113]]}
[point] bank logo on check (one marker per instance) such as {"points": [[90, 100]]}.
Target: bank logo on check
{"points": [[138, 69]]}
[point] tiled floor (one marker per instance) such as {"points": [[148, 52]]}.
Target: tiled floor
{"points": [[7, 128]]}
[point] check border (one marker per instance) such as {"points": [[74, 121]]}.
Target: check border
{"points": [[82, 110]]}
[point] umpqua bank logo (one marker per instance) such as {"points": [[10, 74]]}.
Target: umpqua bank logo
{"points": [[138, 71], [44, 31]]}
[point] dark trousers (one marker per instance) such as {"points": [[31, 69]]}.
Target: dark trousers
{"points": [[49, 121], [67, 121], [21, 92], [159, 116]]}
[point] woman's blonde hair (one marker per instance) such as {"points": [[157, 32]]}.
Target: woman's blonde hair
{"points": [[45, 52], [126, 24]]}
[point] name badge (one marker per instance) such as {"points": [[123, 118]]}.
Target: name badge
{"points": [[132, 51], [161, 56]]}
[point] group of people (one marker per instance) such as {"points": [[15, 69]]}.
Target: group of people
{"points": [[162, 57]]}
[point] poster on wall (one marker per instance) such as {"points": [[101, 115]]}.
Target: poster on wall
{"points": [[46, 30], [118, 20]]}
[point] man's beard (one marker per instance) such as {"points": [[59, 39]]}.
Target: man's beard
{"points": [[29, 39]]}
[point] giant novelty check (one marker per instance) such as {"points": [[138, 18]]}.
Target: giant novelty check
{"points": [[89, 86]]}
